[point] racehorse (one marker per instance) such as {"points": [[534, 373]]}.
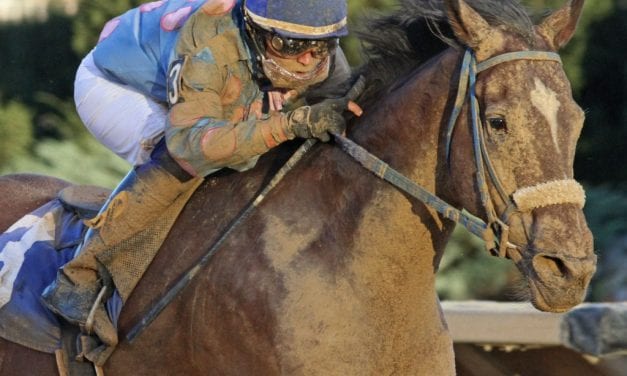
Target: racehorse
{"points": [[334, 272]]}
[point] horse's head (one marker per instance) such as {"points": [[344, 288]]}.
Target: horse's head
{"points": [[529, 124]]}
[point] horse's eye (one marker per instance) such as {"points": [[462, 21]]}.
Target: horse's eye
{"points": [[498, 124]]}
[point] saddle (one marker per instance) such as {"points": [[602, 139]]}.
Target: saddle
{"points": [[35, 247], [127, 261], [84, 200]]}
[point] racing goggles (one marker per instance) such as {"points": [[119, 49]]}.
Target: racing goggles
{"points": [[289, 47]]}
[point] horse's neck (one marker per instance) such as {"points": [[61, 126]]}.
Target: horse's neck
{"points": [[397, 228], [360, 263], [406, 127], [398, 241]]}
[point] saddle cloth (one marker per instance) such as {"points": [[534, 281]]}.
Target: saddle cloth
{"points": [[31, 252]]}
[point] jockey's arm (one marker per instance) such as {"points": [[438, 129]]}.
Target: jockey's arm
{"points": [[202, 140], [215, 119], [206, 129]]}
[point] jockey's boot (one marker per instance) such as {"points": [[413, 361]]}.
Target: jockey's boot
{"points": [[83, 284]]}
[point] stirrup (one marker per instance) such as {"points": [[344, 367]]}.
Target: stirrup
{"points": [[89, 323]]}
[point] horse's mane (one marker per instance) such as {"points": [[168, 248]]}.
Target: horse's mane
{"points": [[396, 42]]}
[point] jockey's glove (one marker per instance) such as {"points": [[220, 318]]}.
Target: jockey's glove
{"points": [[324, 118], [319, 120]]}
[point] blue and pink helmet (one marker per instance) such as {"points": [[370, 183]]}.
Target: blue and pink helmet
{"points": [[300, 19]]}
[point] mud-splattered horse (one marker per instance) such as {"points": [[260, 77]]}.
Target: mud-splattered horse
{"points": [[334, 273]]}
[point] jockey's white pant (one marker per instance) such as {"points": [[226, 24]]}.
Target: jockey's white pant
{"points": [[120, 117]]}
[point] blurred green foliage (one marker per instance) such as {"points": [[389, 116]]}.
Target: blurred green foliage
{"points": [[36, 57], [72, 162], [605, 212], [468, 271], [39, 127], [15, 125], [91, 17], [41, 132], [356, 10]]}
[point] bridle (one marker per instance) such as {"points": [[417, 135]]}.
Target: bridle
{"points": [[495, 232]]}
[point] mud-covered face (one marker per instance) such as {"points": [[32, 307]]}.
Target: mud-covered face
{"points": [[531, 124], [292, 63]]}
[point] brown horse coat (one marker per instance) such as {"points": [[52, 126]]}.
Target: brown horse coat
{"points": [[335, 271]]}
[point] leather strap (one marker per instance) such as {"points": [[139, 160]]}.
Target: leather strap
{"points": [[69, 359], [161, 156]]}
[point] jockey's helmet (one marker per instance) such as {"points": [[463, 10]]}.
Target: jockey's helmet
{"points": [[290, 28], [300, 19]]}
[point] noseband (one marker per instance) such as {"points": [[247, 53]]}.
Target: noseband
{"points": [[495, 232]]}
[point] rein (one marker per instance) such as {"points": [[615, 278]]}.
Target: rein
{"points": [[494, 232]]}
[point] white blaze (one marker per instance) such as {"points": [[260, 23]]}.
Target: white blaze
{"points": [[545, 100]]}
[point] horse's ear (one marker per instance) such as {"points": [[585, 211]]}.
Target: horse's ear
{"points": [[560, 26], [468, 25]]}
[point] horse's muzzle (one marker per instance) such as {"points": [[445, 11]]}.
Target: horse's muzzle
{"points": [[558, 283]]}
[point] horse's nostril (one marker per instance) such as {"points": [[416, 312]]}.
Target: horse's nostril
{"points": [[553, 265]]}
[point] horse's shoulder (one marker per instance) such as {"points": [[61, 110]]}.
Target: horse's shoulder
{"points": [[214, 206]]}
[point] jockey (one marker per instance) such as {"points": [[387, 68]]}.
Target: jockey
{"points": [[182, 89]]}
